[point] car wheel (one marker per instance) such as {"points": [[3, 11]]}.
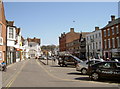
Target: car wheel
{"points": [[84, 71], [95, 76]]}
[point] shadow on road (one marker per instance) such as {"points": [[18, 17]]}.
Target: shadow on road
{"points": [[74, 73], [86, 78], [62, 66], [101, 80]]}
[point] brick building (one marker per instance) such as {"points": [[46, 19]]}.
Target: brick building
{"points": [[111, 38], [62, 42], [2, 33], [73, 43]]}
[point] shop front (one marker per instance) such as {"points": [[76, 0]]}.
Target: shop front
{"points": [[116, 53], [18, 54], [11, 57]]}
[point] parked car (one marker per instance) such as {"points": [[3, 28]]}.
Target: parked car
{"points": [[68, 60], [83, 66], [106, 69], [115, 59]]}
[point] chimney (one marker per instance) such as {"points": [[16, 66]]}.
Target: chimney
{"points": [[109, 22], [71, 29], [96, 28], [112, 17]]}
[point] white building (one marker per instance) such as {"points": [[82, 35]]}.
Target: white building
{"points": [[34, 47], [11, 39], [94, 43], [18, 45]]}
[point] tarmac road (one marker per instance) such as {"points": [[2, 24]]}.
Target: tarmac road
{"points": [[32, 73]]}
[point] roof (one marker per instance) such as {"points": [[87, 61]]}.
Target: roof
{"points": [[10, 23], [36, 40], [114, 22], [84, 34], [2, 13], [17, 30]]}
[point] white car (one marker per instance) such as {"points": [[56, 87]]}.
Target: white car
{"points": [[83, 66]]}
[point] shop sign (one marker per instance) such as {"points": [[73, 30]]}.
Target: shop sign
{"points": [[18, 49]]}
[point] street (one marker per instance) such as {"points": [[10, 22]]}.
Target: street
{"points": [[33, 73]]}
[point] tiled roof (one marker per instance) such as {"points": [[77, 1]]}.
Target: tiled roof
{"points": [[116, 21], [33, 40], [17, 30]]}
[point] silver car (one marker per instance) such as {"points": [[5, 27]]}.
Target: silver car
{"points": [[83, 66]]}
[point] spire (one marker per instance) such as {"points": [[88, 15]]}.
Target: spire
{"points": [[2, 13]]}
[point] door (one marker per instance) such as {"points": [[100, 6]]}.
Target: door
{"points": [[106, 69], [116, 73]]}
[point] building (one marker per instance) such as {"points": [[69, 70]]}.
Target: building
{"points": [[62, 42], [11, 41], [18, 45], [82, 48], [73, 43], [34, 47], [94, 43], [111, 38], [3, 37]]}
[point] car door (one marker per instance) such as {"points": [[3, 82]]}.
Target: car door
{"points": [[106, 69], [116, 73]]}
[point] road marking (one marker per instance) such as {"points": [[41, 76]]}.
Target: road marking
{"points": [[15, 76], [50, 74]]}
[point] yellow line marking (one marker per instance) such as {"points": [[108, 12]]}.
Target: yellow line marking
{"points": [[14, 78], [69, 79]]}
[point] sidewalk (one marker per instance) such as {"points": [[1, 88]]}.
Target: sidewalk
{"points": [[49, 62]]}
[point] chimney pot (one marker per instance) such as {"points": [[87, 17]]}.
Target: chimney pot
{"points": [[96, 28], [112, 17], [71, 29]]}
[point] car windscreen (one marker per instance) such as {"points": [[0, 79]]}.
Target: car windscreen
{"points": [[77, 59]]}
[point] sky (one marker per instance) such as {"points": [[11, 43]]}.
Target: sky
{"points": [[47, 20]]}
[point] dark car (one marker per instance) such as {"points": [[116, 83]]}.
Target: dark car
{"points": [[68, 60], [115, 59], [106, 69]]}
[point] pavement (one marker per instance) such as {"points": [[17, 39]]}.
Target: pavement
{"points": [[35, 73]]}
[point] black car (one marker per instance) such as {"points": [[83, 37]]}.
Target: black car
{"points": [[115, 59], [106, 69], [68, 60]]}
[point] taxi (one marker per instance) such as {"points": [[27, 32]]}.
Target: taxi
{"points": [[106, 69]]}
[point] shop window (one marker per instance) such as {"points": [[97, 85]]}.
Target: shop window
{"points": [[0, 30], [0, 55]]}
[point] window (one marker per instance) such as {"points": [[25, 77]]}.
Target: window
{"points": [[108, 32], [87, 38], [96, 45], [96, 35], [104, 33], [99, 34], [99, 45], [0, 55], [105, 45], [11, 33], [113, 42], [113, 31], [108, 43], [93, 36], [117, 30], [93, 45], [0, 30], [118, 41], [117, 65], [107, 65]]}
